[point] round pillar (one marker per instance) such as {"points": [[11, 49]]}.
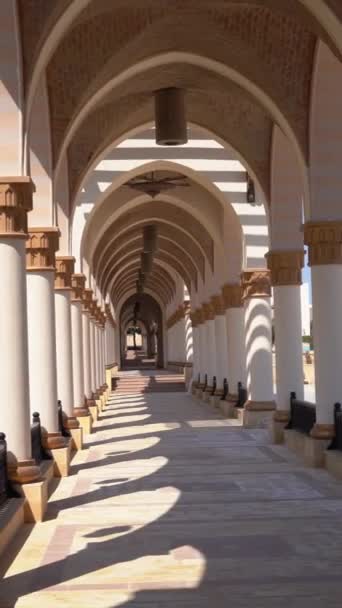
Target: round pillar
{"points": [[87, 298], [202, 346], [236, 343], [65, 385], [41, 247], [196, 369], [210, 344], [92, 320], [325, 258], [285, 267], [221, 343], [78, 284], [258, 328], [15, 202]]}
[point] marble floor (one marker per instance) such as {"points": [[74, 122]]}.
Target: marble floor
{"points": [[170, 505]]}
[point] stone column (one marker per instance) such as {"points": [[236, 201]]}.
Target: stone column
{"points": [[92, 319], [15, 201], [86, 310], [80, 404], [221, 342], [202, 345], [325, 258], [196, 369], [210, 345], [65, 384], [41, 247], [258, 327], [236, 342], [286, 278]]}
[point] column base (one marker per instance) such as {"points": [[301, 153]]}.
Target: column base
{"points": [[199, 393], [23, 471], [227, 407], [80, 411], [93, 412], [11, 520], [36, 497], [278, 424], [257, 414], [214, 400], [207, 394], [333, 462], [311, 450], [62, 458], [85, 423], [53, 441], [77, 438]]}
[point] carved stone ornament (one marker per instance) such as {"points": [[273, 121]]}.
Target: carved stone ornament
{"points": [[232, 295], [285, 267], [78, 282], [209, 311], [194, 318], [87, 299], [325, 242], [218, 304], [64, 271], [16, 199], [256, 283], [41, 247]]}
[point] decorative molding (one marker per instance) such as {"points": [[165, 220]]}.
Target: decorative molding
{"points": [[78, 282], [109, 316], [324, 240], [180, 313], [232, 295], [323, 431], [256, 283], [64, 270], [285, 267], [41, 247], [218, 304], [208, 311], [16, 199], [87, 300]]}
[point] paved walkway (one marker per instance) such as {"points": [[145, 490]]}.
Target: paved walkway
{"points": [[172, 506]]}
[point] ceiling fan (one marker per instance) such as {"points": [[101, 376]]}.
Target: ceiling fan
{"points": [[153, 185]]}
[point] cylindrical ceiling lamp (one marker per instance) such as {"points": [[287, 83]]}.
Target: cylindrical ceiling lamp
{"points": [[170, 117], [140, 287], [141, 277], [146, 262], [150, 238]]}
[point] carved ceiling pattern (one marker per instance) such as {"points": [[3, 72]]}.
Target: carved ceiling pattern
{"points": [[225, 109], [159, 211], [268, 47]]}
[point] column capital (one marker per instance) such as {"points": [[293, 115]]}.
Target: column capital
{"points": [[78, 282], [41, 247], [87, 299], [208, 311], [64, 270], [16, 199], [325, 242], [285, 266], [256, 283], [218, 304], [232, 295], [194, 318]]}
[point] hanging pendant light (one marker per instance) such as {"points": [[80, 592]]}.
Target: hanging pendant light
{"points": [[150, 238], [170, 117]]}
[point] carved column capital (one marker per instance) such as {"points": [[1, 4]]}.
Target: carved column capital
{"points": [[41, 247], [16, 199], [218, 304], [285, 267], [208, 311], [325, 242], [64, 270], [78, 282], [232, 295], [87, 299], [256, 283], [194, 318]]}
